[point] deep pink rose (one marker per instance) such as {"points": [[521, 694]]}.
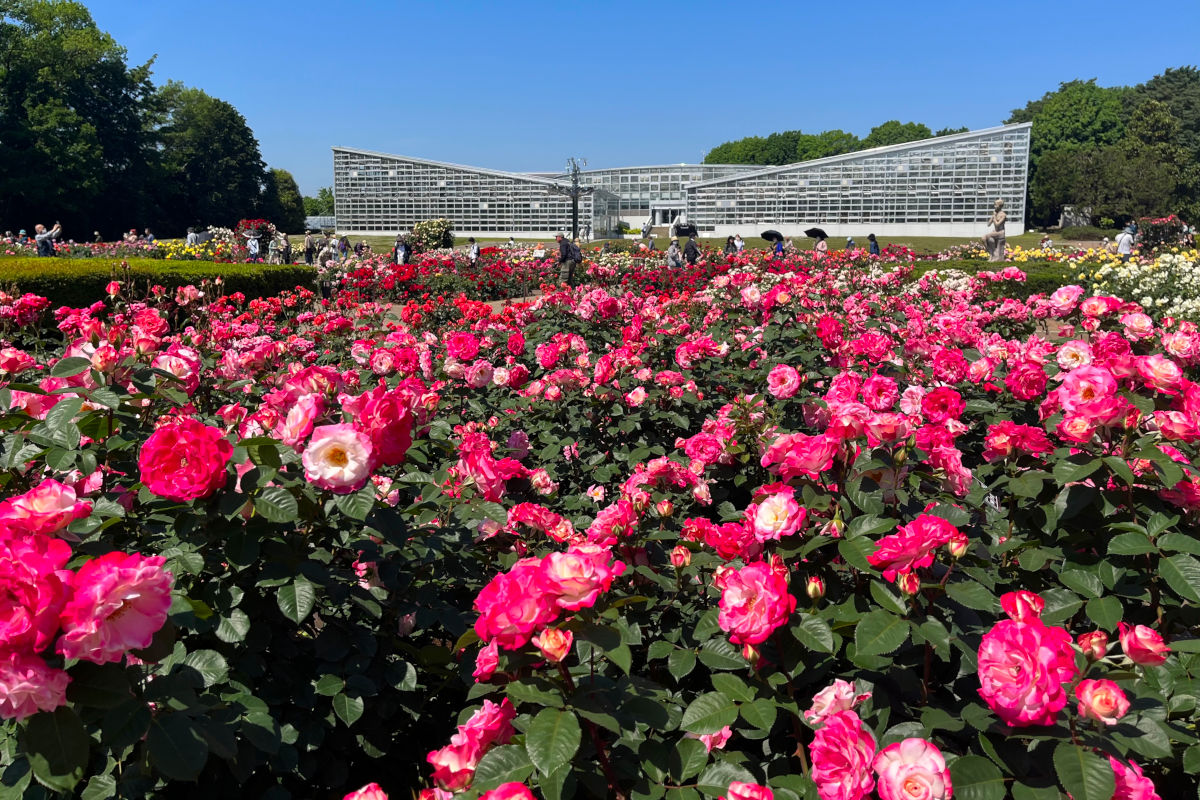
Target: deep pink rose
{"points": [[795, 455], [941, 404], [913, 769], [28, 685], [513, 606], [754, 602], [842, 752], [1022, 606], [34, 587], [184, 460], [575, 579], [1022, 670], [509, 791], [748, 791], [372, 791], [120, 602], [912, 546], [1142, 644], [46, 508], [783, 381], [1131, 784]]}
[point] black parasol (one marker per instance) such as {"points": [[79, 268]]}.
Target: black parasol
{"points": [[816, 233], [772, 236]]}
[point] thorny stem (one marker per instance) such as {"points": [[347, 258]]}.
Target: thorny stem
{"points": [[796, 730]]}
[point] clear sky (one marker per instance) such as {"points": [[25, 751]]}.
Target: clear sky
{"points": [[522, 85]]}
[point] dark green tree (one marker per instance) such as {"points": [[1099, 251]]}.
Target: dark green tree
{"points": [[74, 117], [895, 132], [321, 205], [826, 143], [741, 151], [949, 131], [213, 172], [1179, 89], [282, 203]]}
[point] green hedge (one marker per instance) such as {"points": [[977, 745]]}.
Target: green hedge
{"points": [[1041, 277], [81, 282]]}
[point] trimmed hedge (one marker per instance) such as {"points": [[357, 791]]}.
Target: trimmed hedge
{"points": [[81, 282], [1041, 277]]}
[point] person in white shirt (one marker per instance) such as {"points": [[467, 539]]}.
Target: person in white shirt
{"points": [[1125, 245], [737, 242]]}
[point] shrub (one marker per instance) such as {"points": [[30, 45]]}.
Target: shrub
{"points": [[1040, 277], [81, 282], [432, 234], [1160, 232]]}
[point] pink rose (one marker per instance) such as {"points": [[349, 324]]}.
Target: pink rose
{"points": [[184, 460], [1142, 644], [1101, 700], [372, 791], [913, 769], [754, 602], [28, 685], [1022, 669], [554, 644], [120, 602], [34, 587], [1131, 784], [338, 458], [574, 579], [46, 508], [837, 697], [942, 404], [842, 752], [777, 516], [795, 455], [748, 791], [512, 606], [1094, 644], [486, 662], [298, 423], [462, 345], [386, 418], [880, 393], [783, 381], [911, 547], [1022, 606], [509, 791], [713, 741]]}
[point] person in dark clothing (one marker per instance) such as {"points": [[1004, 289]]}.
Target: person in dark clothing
{"points": [[730, 246], [45, 238], [310, 248], [566, 264], [874, 244], [691, 252]]}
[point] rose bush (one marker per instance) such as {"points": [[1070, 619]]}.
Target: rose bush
{"points": [[602, 545]]}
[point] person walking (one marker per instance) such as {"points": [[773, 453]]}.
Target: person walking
{"points": [[674, 254], [286, 249], [343, 247], [821, 247], [1125, 244], [310, 248], [252, 248], [45, 238], [272, 251], [691, 252], [873, 244], [472, 251], [397, 256], [778, 248], [566, 262]]}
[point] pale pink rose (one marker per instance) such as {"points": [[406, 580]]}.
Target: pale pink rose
{"points": [[842, 752], [479, 374], [783, 381], [1074, 354], [834, 698], [120, 601], [911, 399], [1137, 326], [555, 644], [1101, 700], [338, 458], [777, 516], [298, 423], [636, 397], [1160, 372], [913, 769], [46, 508], [1142, 644], [372, 791], [1131, 784], [574, 579], [1064, 299], [28, 685]]}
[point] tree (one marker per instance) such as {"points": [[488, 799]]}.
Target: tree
{"points": [[949, 131], [895, 132], [740, 151], [1154, 131], [1179, 89], [213, 170], [321, 205], [1079, 114], [281, 201], [74, 143]]}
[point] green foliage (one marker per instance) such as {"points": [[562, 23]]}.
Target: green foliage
{"points": [[896, 132], [321, 205], [282, 202], [432, 234], [78, 282]]}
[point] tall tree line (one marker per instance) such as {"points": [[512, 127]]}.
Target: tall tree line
{"points": [[88, 139], [1115, 151]]}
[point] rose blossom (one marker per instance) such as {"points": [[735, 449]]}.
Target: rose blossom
{"points": [[120, 602], [834, 698], [574, 579], [1094, 644], [184, 460], [783, 381], [913, 769], [755, 601], [1022, 606], [713, 741], [338, 458], [28, 685], [1022, 669], [34, 587], [777, 516], [509, 791], [372, 791], [1131, 784], [911, 547], [512, 606], [739, 790], [1101, 700], [1142, 644], [842, 752], [486, 662], [46, 508], [555, 644]]}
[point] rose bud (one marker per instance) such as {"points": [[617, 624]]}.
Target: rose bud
{"points": [[680, 557], [1101, 700], [958, 545], [665, 508], [554, 644], [1094, 645], [815, 588], [1143, 644], [908, 583]]}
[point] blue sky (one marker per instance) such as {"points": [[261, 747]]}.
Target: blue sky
{"points": [[523, 85]]}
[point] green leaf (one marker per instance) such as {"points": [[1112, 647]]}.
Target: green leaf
{"points": [[1082, 582], [329, 685], [99, 686], [1130, 544], [277, 505], [880, 632], [209, 663], [1085, 775], [1179, 543], [502, 764], [976, 778], [296, 599], [233, 629], [359, 504], [680, 663], [56, 744], [709, 713], [1028, 484], [814, 633], [1021, 791], [760, 713], [70, 367], [100, 787], [720, 654], [855, 551], [1073, 470], [177, 749], [972, 595], [1104, 611], [552, 739], [689, 758], [732, 687], [716, 779], [1182, 573], [348, 709]]}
